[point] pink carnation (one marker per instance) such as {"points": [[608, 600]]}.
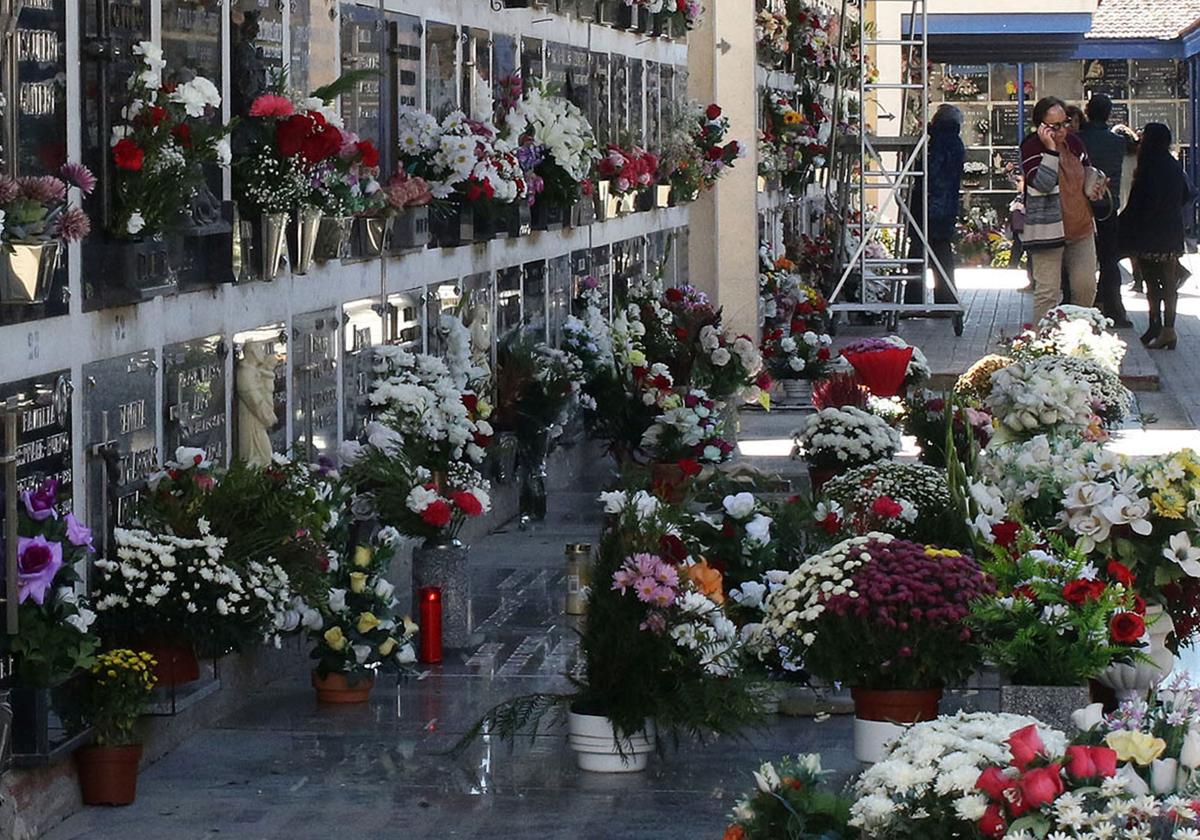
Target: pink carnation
{"points": [[271, 105]]}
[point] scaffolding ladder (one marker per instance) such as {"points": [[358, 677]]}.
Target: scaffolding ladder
{"points": [[891, 167]]}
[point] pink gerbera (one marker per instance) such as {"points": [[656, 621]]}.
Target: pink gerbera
{"points": [[646, 588], [271, 105]]}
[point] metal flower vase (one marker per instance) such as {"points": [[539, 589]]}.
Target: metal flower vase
{"points": [[269, 241], [410, 230], [302, 238], [29, 271], [443, 563], [331, 238], [531, 466], [367, 237], [797, 393]]}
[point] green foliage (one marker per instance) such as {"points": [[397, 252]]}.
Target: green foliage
{"points": [[119, 684], [791, 803], [47, 649], [343, 84], [533, 384]]}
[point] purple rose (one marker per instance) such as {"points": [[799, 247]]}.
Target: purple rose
{"points": [[77, 532], [40, 503], [38, 562]]}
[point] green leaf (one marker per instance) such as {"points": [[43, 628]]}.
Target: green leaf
{"points": [[343, 84]]}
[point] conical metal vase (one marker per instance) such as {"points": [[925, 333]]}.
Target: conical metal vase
{"points": [[302, 238]]}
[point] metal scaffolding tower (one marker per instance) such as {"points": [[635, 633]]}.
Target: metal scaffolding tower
{"points": [[889, 169]]}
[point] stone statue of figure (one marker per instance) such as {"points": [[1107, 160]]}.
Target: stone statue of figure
{"points": [[481, 331], [256, 402]]}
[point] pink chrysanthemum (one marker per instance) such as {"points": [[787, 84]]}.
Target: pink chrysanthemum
{"points": [[44, 189], [80, 176], [74, 224], [271, 105], [9, 190]]}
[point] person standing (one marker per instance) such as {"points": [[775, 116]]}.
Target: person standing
{"points": [[1152, 231], [1059, 230], [946, 156], [1107, 153]]}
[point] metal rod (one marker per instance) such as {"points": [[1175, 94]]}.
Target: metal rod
{"points": [[12, 413]]}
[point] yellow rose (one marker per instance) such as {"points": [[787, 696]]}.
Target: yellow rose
{"points": [[335, 638], [387, 647], [1136, 746], [367, 622], [363, 555], [358, 582], [483, 408], [637, 358], [410, 626]]}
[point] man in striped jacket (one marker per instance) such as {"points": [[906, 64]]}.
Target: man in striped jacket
{"points": [[1059, 228]]}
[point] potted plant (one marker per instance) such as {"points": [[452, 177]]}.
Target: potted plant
{"points": [[910, 501], [54, 642], [1050, 626], [835, 439], [169, 135], [121, 682], [39, 221], [660, 657], [358, 633], [895, 634], [686, 435], [795, 361]]}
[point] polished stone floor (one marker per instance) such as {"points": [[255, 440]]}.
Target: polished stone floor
{"points": [[283, 767]]}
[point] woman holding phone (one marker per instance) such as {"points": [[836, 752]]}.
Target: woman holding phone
{"points": [[1059, 229]]}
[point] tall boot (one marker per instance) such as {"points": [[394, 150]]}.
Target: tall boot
{"points": [[1155, 325], [1169, 288]]}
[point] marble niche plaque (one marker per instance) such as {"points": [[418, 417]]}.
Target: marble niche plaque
{"points": [[508, 300], [260, 394], [599, 113], [194, 410], [406, 321], [404, 48], [364, 326], [441, 79], [558, 297], [602, 270], [363, 41], [43, 432], [120, 437], [315, 384], [256, 50], [533, 307]]}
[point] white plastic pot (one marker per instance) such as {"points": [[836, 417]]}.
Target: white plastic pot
{"points": [[872, 738], [1136, 680], [595, 744]]}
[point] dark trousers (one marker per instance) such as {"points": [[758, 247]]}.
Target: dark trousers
{"points": [[1108, 255], [943, 250]]}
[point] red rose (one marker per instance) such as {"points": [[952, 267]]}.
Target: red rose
{"points": [[482, 441], [831, 524], [290, 134], [1005, 533], [1080, 764], [661, 382], [674, 295], [713, 112], [156, 114], [672, 548], [183, 133], [1120, 573], [467, 503], [1127, 627], [992, 824], [1040, 786], [681, 333], [764, 381], [823, 354], [690, 467], [368, 153], [887, 507], [128, 155], [994, 783], [437, 514], [1105, 761], [1081, 591], [470, 402], [714, 153], [321, 144], [1025, 745]]}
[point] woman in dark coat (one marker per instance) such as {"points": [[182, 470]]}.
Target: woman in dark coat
{"points": [[1152, 230], [946, 156]]}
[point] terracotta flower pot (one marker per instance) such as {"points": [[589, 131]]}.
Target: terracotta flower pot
{"points": [[176, 662], [108, 775], [880, 717], [336, 688]]}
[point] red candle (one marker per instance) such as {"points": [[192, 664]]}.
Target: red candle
{"points": [[430, 613]]}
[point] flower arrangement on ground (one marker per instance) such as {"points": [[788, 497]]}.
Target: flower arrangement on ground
{"points": [[885, 365], [729, 367], [113, 699], [35, 209], [787, 300], [911, 501], [1038, 397], [880, 613], [1052, 620], [554, 141], [1073, 331], [927, 419], [840, 438], [790, 801], [168, 134], [975, 384], [796, 356], [534, 384], [54, 640], [357, 632], [1111, 400], [688, 429]]}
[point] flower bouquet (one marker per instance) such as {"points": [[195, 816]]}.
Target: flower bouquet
{"points": [[697, 152], [835, 439], [789, 801], [927, 418], [37, 218], [729, 368], [1038, 397], [975, 385], [120, 684], [1074, 331], [911, 501], [54, 641], [885, 365], [735, 538], [353, 627], [884, 616], [627, 173], [803, 355], [794, 141], [686, 435], [771, 32]]}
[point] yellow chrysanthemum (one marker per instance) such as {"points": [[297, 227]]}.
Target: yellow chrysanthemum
{"points": [[1168, 504]]}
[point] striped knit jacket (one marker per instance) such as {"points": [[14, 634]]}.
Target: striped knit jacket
{"points": [[1043, 206]]}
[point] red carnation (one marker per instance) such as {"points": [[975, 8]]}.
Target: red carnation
{"points": [[437, 514], [183, 133], [713, 112], [1127, 627], [1081, 591], [470, 402], [1005, 533], [368, 153], [290, 134], [823, 354], [156, 114], [690, 466], [672, 549], [1120, 573], [674, 295], [467, 503], [887, 507], [128, 155]]}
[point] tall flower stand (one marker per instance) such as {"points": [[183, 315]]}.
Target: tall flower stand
{"points": [[444, 564]]}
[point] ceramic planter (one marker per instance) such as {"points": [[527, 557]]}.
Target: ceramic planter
{"points": [[796, 392], [1051, 704], [444, 564], [28, 271], [597, 749], [341, 689], [332, 236], [108, 775], [302, 238], [1136, 680], [410, 230], [368, 235], [881, 716]]}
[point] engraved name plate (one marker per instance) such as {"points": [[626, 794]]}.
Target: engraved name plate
{"points": [[315, 384], [194, 410]]}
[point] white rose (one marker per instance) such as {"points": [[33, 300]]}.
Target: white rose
{"points": [[721, 357], [739, 506], [135, 224], [337, 600], [758, 529]]}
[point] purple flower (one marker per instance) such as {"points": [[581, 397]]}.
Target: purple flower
{"points": [[78, 533], [80, 176], [38, 562], [74, 225], [40, 503]]}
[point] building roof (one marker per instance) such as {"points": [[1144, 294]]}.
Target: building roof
{"points": [[1163, 20]]}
